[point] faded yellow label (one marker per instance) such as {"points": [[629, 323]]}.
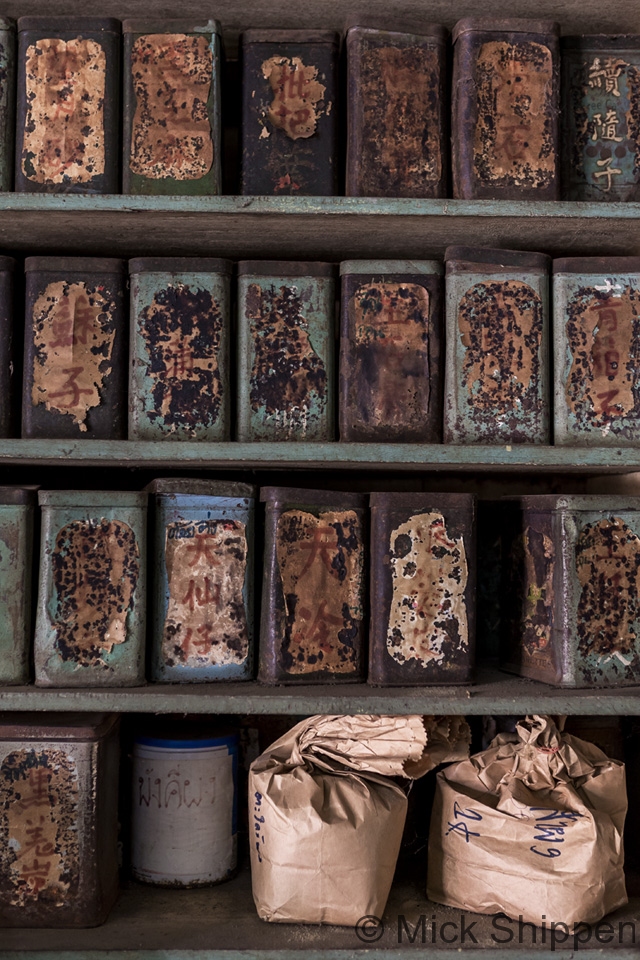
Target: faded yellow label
{"points": [[298, 96]]}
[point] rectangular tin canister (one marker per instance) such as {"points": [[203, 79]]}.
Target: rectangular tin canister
{"points": [[391, 351], [601, 117], [180, 340], [505, 110], [289, 112], [203, 580], [314, 589], [397, 112], [596, 330], [9, 365], [90, 624], [7, 101], [68, 116], [286, 350], [59, 816], [423, 588], [16, 561], [171, 136], [75, 368], [497, 379]]}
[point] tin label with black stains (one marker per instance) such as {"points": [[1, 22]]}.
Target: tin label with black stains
{"points": [[298, 97], [539, 564]]}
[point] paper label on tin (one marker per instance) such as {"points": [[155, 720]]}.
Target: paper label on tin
{"points": [[298, 96]]}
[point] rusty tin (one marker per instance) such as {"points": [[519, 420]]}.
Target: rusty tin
{"points": [[90, 623], [68, 116], [391, 351], [59, 815], [497, 380], [601, 117], [286, 350], [7, 100], [75, 349], [423, 586], [505, 110], [203, 583], [314, 587], [171, 91], [16, 555], [596, 329], [9, 408], [571, 586], [289, 112], [397, 112], [179, 371]]}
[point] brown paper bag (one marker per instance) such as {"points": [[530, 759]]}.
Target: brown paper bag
{"points": [[531, 827], [326, 821]]}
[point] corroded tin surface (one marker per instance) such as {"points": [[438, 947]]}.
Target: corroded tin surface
{"points": [[505, 109], [16, 555], [58, 819], [90, 623], [423, 578], [171, 107], [601, 118], [596, 329], [397, 113], [75, 349], [289, 113], [68, 120], [7, 100], [391, 351], [497, 330], [9, 401], [286, 348], [313, 597], [203, 584], [179, 333]]}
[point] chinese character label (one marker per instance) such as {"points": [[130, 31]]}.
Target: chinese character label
{"points": [[298, 96]]}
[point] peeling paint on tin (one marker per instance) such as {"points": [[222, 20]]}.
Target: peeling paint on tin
{"points": [[64, 126], [298, 96], [539, 562]]}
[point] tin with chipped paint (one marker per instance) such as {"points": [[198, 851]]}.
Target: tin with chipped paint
{"points": [[75, 366], [423, 588], [290, 106], [596, 330], [7, 100], [497, 378], [172, 134], [68, 112], [203, 564], [505, 110], [314, 587], [391, 351], [9, 389], [91, 614], [179, 374], [286, 351], [16, 555], [58, 818], [571, 586]]}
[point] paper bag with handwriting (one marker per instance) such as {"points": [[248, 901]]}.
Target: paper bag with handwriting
{"points": [[531, 827], [326, 820]]}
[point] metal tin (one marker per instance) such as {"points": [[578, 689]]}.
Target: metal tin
{"points": [[68, 117], [289, 112], [286, 350], [171, 138], [203, 590], [397, 112], [596, 330], [59, 816], [9, 402], [423, 587], [601, 117], [90, 624], [16, 554], [505, 110], [571, 585], [180, 339], [7, 100], [75, 377], [497, 354], [391, 351], [313, 596]]}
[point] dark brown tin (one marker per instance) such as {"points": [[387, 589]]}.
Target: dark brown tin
{"points": [[9, 402]]}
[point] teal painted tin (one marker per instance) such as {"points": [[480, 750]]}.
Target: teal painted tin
{"points": [[203, 580], [16, 555], [90, 623], [7, 100], [180, 339]]}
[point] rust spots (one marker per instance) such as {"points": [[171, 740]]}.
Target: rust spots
{"points": [[171, 133], [64, 125], [298, 96], [95, 566], [320, 560], [633, 118], [539, 562]]}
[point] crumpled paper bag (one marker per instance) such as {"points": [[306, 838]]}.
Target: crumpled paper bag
{"points": [[531, 827], [325, 820]]}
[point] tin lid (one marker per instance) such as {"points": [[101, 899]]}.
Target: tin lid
{"points": [[172, 26], [370, 26], [382, 267], [18, 495], [581, 503], [56, 726], [285, 268], [180, 265], [596, 265], [289, 36], [7, 24], [312, 498], [75, 264], [456, 257], [92, 498], [601, 41], [484, 25], [177, 486], [7, 264], [77, 25], [421, 499], [187, 743]]}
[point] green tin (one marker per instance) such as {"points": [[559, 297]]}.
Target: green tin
{"points": [[16, 556], [7, 100]]}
